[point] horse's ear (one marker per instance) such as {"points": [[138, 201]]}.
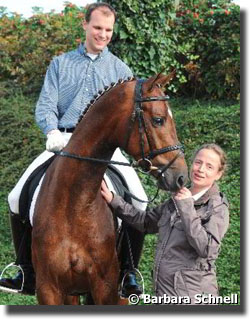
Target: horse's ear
{"points": [[160, 80]]}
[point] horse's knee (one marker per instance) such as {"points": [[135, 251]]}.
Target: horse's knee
{"points": [[105, 291], [47, 295]]}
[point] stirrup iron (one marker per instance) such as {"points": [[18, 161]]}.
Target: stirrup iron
{"points": [[9, 290], [135, 270]]}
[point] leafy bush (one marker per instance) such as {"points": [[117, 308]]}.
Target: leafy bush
{"points": [[208, 38], [28, 45], [143, 36], [199, 39]]}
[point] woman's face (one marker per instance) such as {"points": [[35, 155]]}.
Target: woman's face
{"points": [[205, 169]]}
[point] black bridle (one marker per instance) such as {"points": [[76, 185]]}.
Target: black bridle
{"points": [[138, 113], [145, 161]]}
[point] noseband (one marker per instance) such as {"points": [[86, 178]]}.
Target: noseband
{"points": [[138, 113], [145, 161]]}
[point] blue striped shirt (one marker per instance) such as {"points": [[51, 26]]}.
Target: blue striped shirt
{"points": [[71, 81]]}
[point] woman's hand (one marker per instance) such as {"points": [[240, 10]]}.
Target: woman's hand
{"points": [[107, 195], [183, 193]]}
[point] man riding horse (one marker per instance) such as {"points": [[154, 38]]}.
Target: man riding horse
{"points": [[71, 81]]}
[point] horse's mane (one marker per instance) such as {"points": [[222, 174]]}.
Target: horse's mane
{"points": [[101, 93]]}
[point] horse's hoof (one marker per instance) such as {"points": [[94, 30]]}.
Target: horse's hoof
{"points": [[123, 301]]}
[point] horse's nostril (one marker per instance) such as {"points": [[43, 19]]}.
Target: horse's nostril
{"points": [[180, 181]]}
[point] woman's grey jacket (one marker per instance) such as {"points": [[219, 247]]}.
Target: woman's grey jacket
{"points": [[190, 235]]}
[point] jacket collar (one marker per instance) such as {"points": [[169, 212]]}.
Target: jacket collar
{"points": [[206, 196], [82, 51]]}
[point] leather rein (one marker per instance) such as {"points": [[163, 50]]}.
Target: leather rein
{"points": [[145, 161]]}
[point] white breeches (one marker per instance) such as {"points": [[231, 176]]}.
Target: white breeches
{"points": [[128, 173]]}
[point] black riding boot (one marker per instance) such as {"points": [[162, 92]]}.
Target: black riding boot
{"points": [[131, 249], [21, 235]]}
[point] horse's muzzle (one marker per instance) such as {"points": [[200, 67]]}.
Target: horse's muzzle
{"points": [[171, 180]]}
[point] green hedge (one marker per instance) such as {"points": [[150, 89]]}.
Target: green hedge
{"points": [[198, 38]]}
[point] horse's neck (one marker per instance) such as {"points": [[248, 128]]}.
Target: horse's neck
{"points": [[93, 136], [96, 137]]}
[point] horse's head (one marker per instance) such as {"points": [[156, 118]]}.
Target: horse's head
{"points": [[153, 141]]}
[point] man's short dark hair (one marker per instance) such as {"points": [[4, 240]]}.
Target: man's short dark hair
{"points": [[108, 9]]}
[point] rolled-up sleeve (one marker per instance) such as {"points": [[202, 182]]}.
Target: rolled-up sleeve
{"points": [[46, 108]]}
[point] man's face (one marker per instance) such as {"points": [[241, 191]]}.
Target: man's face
{"points": [[99, 31]]}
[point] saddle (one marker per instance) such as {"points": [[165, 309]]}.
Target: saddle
{"points": [[29, 189], [115, 176]]}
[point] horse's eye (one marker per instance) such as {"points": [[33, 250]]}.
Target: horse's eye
{"points": [[158, 121]]}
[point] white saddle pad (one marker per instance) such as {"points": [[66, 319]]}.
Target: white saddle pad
{"points": [[128, 173], [33, 202]]}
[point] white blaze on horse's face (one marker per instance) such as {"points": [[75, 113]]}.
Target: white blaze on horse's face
{"points": [[170, 113]]}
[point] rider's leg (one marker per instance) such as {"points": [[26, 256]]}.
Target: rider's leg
{"points": [[131, 250], [14, 195], [21, 235], [135, 237], [132, 180]]}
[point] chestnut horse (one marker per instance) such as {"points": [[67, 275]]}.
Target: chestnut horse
{"points": [[73, 237]]}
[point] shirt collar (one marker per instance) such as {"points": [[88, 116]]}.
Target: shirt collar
{"points": [[82, 51], [207, 195], [199, 194]]}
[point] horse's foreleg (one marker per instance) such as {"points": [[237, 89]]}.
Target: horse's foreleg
{"points": [[48, 295], [123, 302], [73, 300], [105, 293], [105, 289]]}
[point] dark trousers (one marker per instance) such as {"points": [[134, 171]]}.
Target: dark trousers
{"points": [[131, 248], [21, 236]]}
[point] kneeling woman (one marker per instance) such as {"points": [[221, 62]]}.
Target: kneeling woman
{"points": [[191, 226]]}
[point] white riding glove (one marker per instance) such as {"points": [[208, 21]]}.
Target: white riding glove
{"points": [[55, 141]]}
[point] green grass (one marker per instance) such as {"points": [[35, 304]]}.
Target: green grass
{"points": [[197, 122]]}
